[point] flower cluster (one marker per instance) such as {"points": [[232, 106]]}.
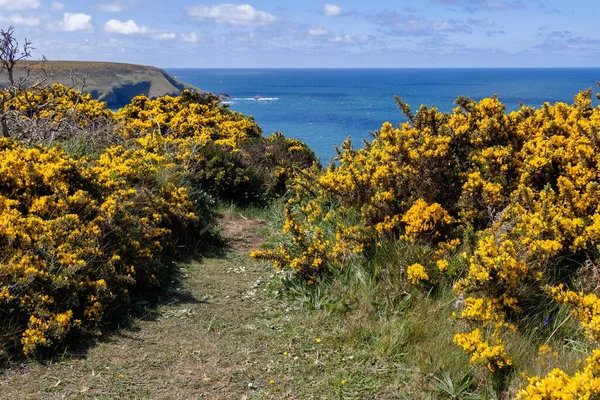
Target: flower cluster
{"points": [[557, 384], [424, 220], [494, 357], [416, 274]]}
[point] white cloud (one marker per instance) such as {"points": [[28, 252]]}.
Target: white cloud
{"points": [[190, 37], [111, 7], [347, 39], [164, 36], [410, 25], [332, 10], [125, 27], [341, 39], [57, 5], [115, 6], [18, 19], [19, 4], [317, 32], [237, 15], [73, 23], [486, 23], [443, 26]]}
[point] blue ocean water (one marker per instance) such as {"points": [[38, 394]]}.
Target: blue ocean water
{"points": [[323, 107]]}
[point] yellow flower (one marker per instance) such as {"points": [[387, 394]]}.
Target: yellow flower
{"points": [[544, 349], [442, 265], [416, 273]]}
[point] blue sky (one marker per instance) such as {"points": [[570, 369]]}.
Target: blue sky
{"points": [[267, 33]]}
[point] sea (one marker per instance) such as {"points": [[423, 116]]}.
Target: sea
{"points": [[323, 107]]}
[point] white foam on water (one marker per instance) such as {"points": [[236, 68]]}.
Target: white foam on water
{"points": [[255, 99]]}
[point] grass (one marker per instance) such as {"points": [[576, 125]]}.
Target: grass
{"points": [[232, 330], [68, 66]]}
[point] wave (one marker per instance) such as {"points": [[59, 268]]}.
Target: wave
{"points": [[254, 99]]}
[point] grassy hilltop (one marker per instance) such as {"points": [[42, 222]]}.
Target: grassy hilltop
{"points": [[114, 83]]}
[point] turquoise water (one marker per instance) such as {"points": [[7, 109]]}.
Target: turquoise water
{"points": [[323, 107]]}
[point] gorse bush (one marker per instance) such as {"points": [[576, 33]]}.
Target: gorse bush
{"points": [[80, 236], [408, 181], [76, 237], [55, 103], [513, 198], [190, 115], [558, 385], [223, 152], [45, 115]]}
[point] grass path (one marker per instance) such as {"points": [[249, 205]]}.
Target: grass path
{"points": [[225, 334]]}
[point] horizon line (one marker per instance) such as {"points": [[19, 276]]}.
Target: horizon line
{"points": [[372, 68]]}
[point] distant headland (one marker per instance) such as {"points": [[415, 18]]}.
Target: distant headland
{"points": [[114, 83]]}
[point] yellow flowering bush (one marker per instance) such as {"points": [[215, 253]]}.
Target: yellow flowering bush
{"points": [[586, 307], [190, 115], [55, 103], [222, 151], [76, 236], [550, 219], [407, 182], [557, 384], [521, 187], [79, 237], [306, 252], [56, 113]]}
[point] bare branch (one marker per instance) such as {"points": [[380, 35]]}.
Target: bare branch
{"points": [[78, 80], [11, 53]]}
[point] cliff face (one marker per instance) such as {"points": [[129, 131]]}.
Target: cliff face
{"points": [[114, 83]]}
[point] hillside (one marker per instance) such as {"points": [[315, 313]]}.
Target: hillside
{"points": [[114, 83]]}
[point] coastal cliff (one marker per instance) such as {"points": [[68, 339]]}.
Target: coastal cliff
{"points": [[114, 83]]}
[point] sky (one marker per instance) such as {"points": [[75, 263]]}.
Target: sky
{"points": [[312, 34]]}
